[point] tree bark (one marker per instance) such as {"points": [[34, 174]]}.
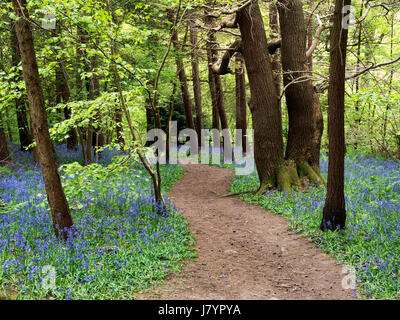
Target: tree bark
{"points": [[63, 95], [220, 101], [310, 31], [187, 103], [334, 212], [62, 220], [24, 132], [4, 154], [264, 106], [98, 135], [196, 80], [241, 103], [305, 116], [211, 44], [274, 27]]}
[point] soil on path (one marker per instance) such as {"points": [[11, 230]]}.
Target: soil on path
{"points": [[244, 251]]}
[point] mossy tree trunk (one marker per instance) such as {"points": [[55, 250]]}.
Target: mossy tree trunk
{"points": [[305, 116]]}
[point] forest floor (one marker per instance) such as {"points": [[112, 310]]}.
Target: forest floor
{"points": [[244, 251]]}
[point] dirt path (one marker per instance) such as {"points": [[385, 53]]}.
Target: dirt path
{"points": [[244, 251]]}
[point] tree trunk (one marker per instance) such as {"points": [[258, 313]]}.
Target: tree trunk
{"points": [[241, 112], [24, 132], [63, 94], [98, 135], [310, 31], [220, 101], [4, 155], [305, 117], [398, 146], [196, 80], [357, 81], [170, 112], [274, 27], [211, 44], [334, 213], [187, 103], [264, 106], [62, 220]]}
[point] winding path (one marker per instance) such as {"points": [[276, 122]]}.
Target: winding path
{"points": [[244, 251]]}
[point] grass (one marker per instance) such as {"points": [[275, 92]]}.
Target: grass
{"points": [[121, 245], [371, 241]]}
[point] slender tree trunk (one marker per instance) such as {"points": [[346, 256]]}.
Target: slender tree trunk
{"points": [[24, 132], [211, 44], [220, 101], [89, 131], [274, 27], [149, 118], [118, 124], [170, 113], [98, 135], [215, 82], [187, 103], [63, 95], [357, 105], [4, 155], [213, 92], [334, 213], [241, 103], [398, 146], [62, 220], [196, 80], [390, 85], [264, 106]]}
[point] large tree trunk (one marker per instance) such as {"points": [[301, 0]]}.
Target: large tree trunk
{"points": [[4, 155], [305, 117], [62, 220], [334, 213], [241, 112], [24, 132], [264, 106], [196, 80]]}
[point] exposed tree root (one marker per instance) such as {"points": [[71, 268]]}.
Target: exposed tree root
{"points": [[290, 174], [305, 170]]}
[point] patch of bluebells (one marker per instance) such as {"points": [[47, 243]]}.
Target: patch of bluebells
{"points": [[122, 240], [371, 241]]}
